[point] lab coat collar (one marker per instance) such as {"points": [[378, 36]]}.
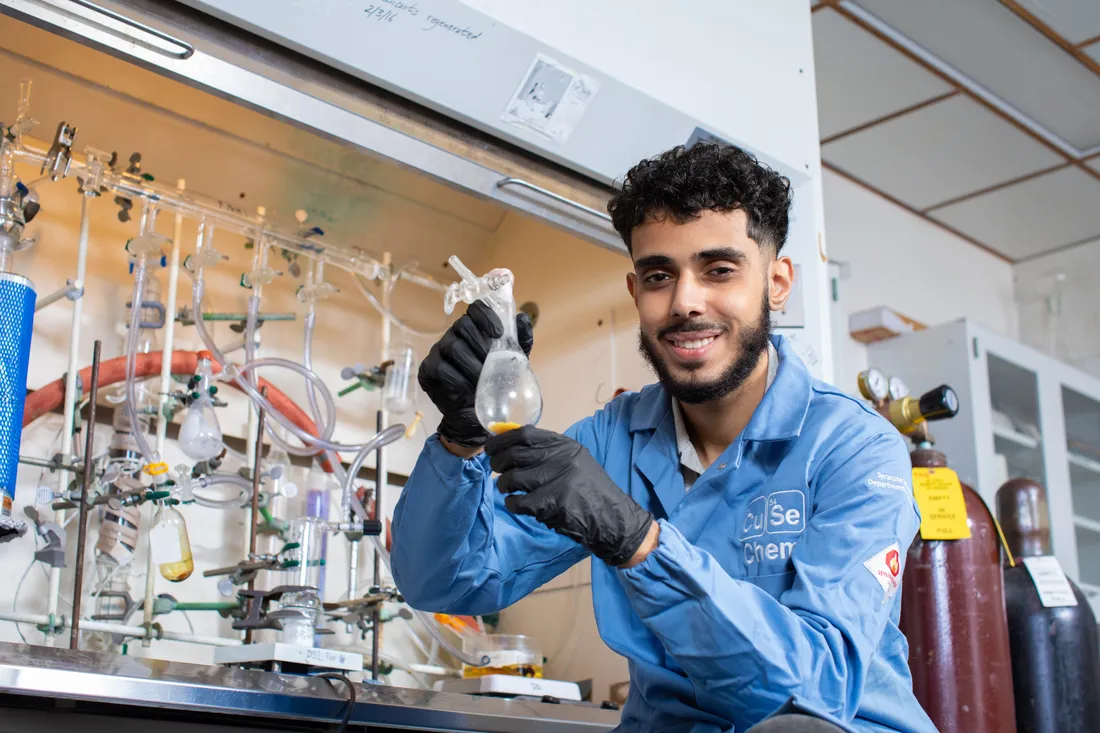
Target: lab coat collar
{"points": [[779, 416]]}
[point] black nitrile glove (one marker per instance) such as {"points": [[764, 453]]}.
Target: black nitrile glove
{"points": [[448, 375], [565, 489]]}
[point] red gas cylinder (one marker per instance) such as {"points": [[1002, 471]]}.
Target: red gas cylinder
{"points": [[953, 614]]}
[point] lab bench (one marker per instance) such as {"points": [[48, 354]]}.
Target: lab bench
{"points": [[48, 689]]}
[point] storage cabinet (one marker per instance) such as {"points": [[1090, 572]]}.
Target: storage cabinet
{"points": [[1022, 414]]}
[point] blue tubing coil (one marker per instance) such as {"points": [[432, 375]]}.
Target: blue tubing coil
{"points": [[16, 320]]}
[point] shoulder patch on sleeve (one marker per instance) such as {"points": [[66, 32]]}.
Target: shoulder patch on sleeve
{"points": [[885, 565], [885, 481]]}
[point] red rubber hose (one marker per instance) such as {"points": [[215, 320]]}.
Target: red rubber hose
{"points": [[184, 363]]}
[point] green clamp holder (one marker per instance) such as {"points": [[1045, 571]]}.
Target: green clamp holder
{"points": [[272, 525]]}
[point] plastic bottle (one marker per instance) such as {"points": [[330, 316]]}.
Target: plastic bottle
{"points": [[171, 546], [508, 394]]}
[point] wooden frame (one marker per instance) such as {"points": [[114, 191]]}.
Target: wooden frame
{"points": [[1076, 51]]}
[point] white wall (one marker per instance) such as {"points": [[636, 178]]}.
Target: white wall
{"points": [[1059, 305], [899, 260]]}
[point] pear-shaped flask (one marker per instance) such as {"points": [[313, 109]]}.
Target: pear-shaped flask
{"points": [[508, 394], [200, 436]]}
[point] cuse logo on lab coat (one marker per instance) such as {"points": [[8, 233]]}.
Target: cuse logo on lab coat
{"points": [[781, 514]]}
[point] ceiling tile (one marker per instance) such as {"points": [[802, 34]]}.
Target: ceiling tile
{"points": [[1074, 20], [939, 152], [1093, 50], [860, 78], [1033, 216], [1095, 164], [994, 47]]}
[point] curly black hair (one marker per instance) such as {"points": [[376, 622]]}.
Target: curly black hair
{"points": [[684, 182]]}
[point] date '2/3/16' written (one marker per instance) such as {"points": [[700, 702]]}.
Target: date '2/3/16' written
{"points": [[380, 14]]}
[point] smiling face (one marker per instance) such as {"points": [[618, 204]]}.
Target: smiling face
{"points": [[704, 292]]}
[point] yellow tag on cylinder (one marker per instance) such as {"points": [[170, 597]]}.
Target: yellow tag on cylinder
{"points": [[942, 507]]}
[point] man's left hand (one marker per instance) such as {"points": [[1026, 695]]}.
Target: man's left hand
{"points": [[557, 481]]}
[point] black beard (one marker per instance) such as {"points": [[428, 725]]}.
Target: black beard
{"points": [[753, 341]]}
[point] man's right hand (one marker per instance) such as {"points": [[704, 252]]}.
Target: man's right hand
{"points": [[449, 374]]}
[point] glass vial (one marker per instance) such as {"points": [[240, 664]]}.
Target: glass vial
{"points": [[398, 392]]}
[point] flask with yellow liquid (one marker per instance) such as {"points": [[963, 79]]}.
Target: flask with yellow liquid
{"points": [[508, 394], [170, 545]]}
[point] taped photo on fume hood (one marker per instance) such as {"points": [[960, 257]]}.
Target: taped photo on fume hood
{"points": [[551, 99]]}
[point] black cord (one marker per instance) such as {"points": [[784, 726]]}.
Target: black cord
{"points": [[350, 705]]}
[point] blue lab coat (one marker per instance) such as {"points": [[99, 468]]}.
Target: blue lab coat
{"points": [[775, 581]]}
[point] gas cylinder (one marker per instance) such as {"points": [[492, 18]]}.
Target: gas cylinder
{"points": [[952, 613], [1055, 651], [952, 596]]}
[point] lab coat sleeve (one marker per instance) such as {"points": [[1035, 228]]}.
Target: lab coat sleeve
{"points": [[457, 549], [814, 643]]}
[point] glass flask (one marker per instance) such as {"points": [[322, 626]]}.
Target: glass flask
{"points": [[200, 436], [171, 546], [508, 394], [301, 610]]}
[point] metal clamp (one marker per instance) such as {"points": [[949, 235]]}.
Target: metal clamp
{"points": [[188, 49], [551, 195]]}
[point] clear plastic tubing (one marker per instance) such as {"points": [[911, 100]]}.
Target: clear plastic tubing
{"points": [[387, 313], [315, 409], [231, 479], [387, 436], [307, 362], [323, 427], [131, 361], [236, 374]]}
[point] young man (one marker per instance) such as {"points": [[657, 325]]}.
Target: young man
{"points": [[749, 522]]}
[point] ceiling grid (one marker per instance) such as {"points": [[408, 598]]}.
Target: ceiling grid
{"points": [[987, 156]]}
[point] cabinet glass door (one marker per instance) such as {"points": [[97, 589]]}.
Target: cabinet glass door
{"points": [[1017, 437], [1082, 416]]}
